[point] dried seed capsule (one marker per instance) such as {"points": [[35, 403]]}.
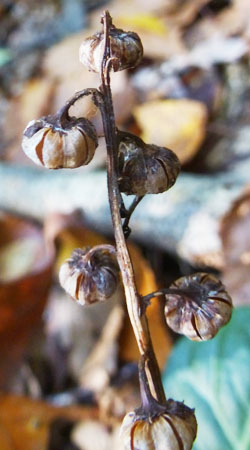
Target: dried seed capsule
{"points": [[200, 307], [173, 429], [143, 168], [90, 275], [125, 47], [53, 145]]}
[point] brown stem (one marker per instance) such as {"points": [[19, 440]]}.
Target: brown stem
{"points": [[190, 293], [63, 113], [139, 323], [129, 213]]}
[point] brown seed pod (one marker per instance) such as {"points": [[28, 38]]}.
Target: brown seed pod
{"points": [[143, 168], [53, 145], [173, 429], [125, 47], [200, 307], [90, 275]]}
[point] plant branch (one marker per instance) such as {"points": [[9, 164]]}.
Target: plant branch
{"points": [[63, 113], [139, 323], [172, 291], [128, 214]]}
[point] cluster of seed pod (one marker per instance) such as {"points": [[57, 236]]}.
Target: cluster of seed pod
{"points": [[91, 275], [197, 305], [143, 168], [199, 308], [55, 146]]}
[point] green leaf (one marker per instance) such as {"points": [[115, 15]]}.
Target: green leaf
{"points": [[214, 378]]}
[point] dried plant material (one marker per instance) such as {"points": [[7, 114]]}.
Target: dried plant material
{"points": [[236, 249], [114, 402], [183, 13], [63, 68], [163, 81], [63, 73], [17, 258], [172, 429], [25, 280], [146, 282], [235, 231], [60, 144], [68, 323], [231, 21], [145, 168], [176, 124], [102, 361], [91, 275], [74, 330], [25, 424], [158, 23], [236, 278], [71, 232], [146, 22], [93, 435], [162, 44], [125, 49], [198, 306]]}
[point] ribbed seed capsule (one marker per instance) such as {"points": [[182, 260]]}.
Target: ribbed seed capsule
{"points": [[199, 308], [174, 429], [54, 146], [143, 168], [125, 47], [90, 275]]}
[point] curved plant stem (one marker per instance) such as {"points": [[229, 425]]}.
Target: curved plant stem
{"points": [[139, 322], [129, 213], [63, 113], [190, 293]]}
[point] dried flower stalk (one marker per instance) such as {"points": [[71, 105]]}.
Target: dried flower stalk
{"points": [[196, 306]]}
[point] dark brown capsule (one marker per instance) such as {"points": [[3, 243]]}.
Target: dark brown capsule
{"points": [[200, 307], [172, 429], [145, 168], [125, 47], [90, 275], [54, 146]]}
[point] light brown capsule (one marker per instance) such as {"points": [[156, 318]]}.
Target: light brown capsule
{"points": [[54, 146], [174, 429], [125, 47], [143, 168], [199, 308], [90, 275]]}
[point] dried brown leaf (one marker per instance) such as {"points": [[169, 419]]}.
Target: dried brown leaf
{"points": [[25, 423], [25, 279], [176, 124], [236, 247], [102, 361]]}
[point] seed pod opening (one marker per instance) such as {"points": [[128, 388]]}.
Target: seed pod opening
{"points": [[202, 308], [90, 275], [173, 429], [125, 47], [54, 146], [143, 168]]}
